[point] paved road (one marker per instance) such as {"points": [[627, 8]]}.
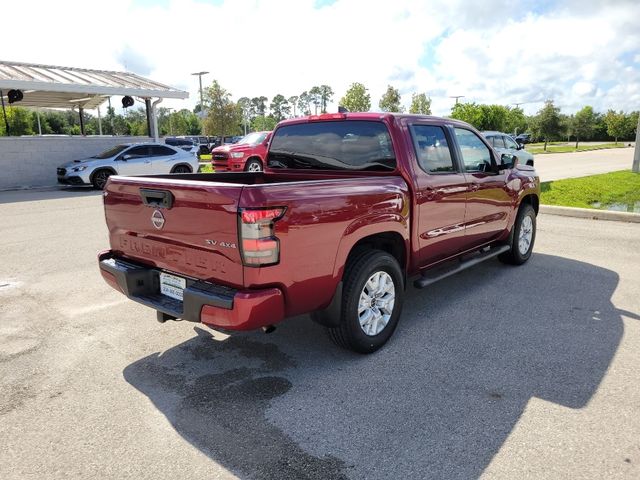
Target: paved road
{"points": [[555, 166], [500, 372]]}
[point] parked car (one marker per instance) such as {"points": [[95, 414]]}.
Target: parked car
{"points": [[349, 208], [185, 143], [127, 159], [504, 143], [523, 138], [248, 154]]}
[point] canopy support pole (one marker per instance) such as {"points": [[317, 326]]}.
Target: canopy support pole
{"points": [[80, 112], [39, 125], [4, 112], [99, 122], [154, 119], [147, 104]]}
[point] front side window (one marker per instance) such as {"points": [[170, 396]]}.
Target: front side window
{"points": [[432, 149], [137, 152], [497, 141], [354, 145], [475, 154], [112, 152], [510, 143]]}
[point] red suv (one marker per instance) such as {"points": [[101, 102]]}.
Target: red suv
{"points": [[247, 155]]}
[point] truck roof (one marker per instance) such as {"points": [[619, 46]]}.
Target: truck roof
{"points": [[369, 116]]}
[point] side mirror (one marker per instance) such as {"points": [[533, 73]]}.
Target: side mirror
{"points": [[126, 157], [507, 161]]}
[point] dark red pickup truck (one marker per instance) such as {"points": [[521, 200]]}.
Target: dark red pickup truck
{"points": [[348, 209]]}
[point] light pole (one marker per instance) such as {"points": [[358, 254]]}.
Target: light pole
{"points": [[636, 153], [200, 74], [456, 97]]}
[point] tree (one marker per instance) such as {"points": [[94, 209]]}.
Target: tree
{"points": [[326, 95], [516, 121], [632, 125], [244, 104], [357, 99], [262, 123], [548, 122], [279, 107], [481, 116], [259, 106], [20, 121], [583, 123], [616, 124], [304, 102], [315, 95], [420, 103], [390, 101], [293, 102], [223, 117], [468, 112]]}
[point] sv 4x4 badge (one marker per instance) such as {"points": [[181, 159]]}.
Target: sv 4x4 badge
{"points": [[220, 244]]}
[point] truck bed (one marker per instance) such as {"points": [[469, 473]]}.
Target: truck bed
{"points": [[199, 236]]}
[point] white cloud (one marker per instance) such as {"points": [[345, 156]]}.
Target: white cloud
{"points": [[257, 48]]}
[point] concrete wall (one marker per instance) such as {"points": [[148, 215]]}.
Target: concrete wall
{"points": [[32, 161]]}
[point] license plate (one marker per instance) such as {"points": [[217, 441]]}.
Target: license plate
{"points": [[172, 285]]}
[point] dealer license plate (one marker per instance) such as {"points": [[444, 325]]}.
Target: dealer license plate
{"points": [[172, 285]]}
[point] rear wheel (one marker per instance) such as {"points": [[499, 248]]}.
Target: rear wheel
{"points": [[100, 179], [253, 165], [371, 303], [522, 237], [181, 169]]}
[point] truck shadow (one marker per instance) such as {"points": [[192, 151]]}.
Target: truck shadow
{"points": [[437, 402], [50, 193]]}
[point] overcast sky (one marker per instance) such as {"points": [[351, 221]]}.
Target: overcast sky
{"points": [[576, 52]]}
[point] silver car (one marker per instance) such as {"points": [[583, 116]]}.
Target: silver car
{"points": [[504, 143], [127, 159]]}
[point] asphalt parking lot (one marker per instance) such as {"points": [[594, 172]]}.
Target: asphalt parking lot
{"points": [[498, 372]]}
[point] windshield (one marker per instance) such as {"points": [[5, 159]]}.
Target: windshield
{"points": [[333, 145], [112, 152], [253, 139]]}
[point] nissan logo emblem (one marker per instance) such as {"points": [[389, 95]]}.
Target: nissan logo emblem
{"points": [[157, 219]]}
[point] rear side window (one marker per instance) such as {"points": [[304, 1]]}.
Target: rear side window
{"points": [[160, 151], [475, 154], [333, 145], [432, 149]]}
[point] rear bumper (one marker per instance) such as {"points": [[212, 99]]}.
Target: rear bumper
{"points": [[214, 305]]}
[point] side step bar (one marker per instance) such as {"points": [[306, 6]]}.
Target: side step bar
{"points": [[463, 265]]}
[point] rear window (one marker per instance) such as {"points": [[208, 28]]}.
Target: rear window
{"points": [[334, 145]]}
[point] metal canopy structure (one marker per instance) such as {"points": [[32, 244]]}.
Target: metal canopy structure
{"points": [[65, 87]]}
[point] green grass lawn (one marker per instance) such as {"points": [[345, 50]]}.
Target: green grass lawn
{"points": [[555, 147], [621, 188]]}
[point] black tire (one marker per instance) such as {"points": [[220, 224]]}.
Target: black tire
{"points": [[100, 177], [181, 169], [515, 256], [350, 334], [253, 165]]}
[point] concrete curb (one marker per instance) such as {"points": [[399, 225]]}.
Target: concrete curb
{"points": [[591, 213]]}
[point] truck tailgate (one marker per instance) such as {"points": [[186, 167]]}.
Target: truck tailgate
{"points": [[186, 227]]}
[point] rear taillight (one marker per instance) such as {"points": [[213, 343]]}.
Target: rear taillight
{"points": [[260, 246]]}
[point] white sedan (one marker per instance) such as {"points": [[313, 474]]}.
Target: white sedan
{"points": [[127, 159]]}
